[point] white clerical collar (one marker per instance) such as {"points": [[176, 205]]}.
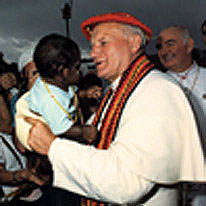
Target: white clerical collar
{"points": [[115, 83], [181, 76], [192, 67]]}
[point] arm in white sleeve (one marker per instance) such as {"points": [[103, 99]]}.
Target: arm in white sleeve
{"points": [[97, 174], [146, 150]]}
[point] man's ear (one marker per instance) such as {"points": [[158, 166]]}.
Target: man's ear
{"points": [[135, 43], [190, 45]]}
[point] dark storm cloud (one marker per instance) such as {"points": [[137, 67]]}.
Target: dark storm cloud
{"points": [[24, 21], [155, 13]]}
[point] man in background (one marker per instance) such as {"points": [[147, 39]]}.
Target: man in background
{"points": [[175, 45], [148, 140]]}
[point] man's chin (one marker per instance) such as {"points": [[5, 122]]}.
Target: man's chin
{"points": [[100, 74], [168, 65]]}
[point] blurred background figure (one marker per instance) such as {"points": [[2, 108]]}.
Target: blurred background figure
{"points": [[199, 55], [203, 31], [90, 93], [10, 85], [18, 180]]}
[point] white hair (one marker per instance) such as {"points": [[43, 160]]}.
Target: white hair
{"points": [[186, 35], [136, 30]]}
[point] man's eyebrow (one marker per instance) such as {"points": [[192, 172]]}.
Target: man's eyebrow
{"points": [[102, 38], [170, 41]]}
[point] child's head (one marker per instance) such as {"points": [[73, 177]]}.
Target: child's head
{"points": [[56, 55]]}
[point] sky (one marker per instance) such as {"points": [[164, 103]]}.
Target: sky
{"points": [[25, 21]]}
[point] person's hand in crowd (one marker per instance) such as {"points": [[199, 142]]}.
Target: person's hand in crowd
{"points": [[31, 176], [40, 136], [94, 92]]}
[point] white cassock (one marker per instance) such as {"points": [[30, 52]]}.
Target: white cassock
{"points": [[195, 87], [156, 146]]}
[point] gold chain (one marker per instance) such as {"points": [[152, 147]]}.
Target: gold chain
{"points": [[195, 80], [76, 104]]}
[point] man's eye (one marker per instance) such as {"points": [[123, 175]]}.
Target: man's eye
{"points": [[103, 43], [170, 44], [158, 46]]}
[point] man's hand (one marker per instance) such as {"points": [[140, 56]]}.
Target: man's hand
{"points": [[89, 133], [40, 136]]}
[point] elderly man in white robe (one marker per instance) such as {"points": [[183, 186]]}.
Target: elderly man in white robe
{"points": [[148, 140]]}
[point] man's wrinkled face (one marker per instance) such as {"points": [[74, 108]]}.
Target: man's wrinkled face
{"points": [[111, 50], [172, 50]]}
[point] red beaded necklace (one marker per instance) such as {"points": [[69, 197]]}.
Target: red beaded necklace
{"points": [[184, 76]]}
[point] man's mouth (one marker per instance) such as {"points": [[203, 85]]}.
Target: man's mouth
{"points": [[99, 63]]}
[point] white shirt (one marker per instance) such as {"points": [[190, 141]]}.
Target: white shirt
{"points": [[7, 158], [11, 164], [156, 143], [58, 105]]}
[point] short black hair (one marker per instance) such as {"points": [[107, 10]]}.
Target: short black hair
{"points": [[54, 51]]}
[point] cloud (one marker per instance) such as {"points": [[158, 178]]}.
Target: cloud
{"points": [[12, 47], [23, 21]]}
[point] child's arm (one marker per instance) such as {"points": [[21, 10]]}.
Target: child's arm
{"points": [[82, 133]]}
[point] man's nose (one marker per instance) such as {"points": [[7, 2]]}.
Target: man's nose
{"points": [[94, 52], [163, 50]]}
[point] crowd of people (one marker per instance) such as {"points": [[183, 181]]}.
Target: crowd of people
{"points": [[65, 139]]}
